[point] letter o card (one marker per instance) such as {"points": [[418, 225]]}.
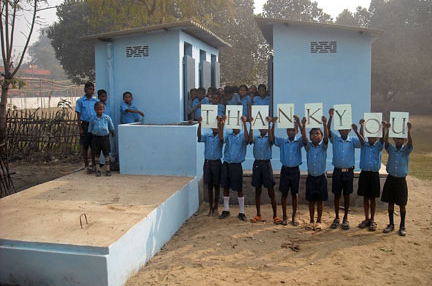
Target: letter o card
{"points": [[209, 114], [398, 124], [285, 115], [233, 114], [372, 125], [259, 115], [342, 118], [313, 114]]}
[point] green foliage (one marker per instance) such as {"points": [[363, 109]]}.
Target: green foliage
{"points": [[298, 10]]}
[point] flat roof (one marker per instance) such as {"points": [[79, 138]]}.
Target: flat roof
{"points": [[266, 26], [190, 27]]}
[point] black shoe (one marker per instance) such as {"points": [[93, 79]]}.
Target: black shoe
{"points": [[389, 228], [98, 173], [108, 173], [402, 231], [242, 217], [224, 214]]}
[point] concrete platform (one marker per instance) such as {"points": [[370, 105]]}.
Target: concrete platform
{"points": [[129, 219]]}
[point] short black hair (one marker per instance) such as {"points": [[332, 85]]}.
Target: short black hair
{"points": [[262, 86], [99, 103], [313, 129], [126, 92], [243, 85], [101, 91], [87, 85], [202, 89], [193, 90], [229, 89]]}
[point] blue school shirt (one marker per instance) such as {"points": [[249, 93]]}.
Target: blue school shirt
{"points": [[397, 164], [235, 100], [196, 102], [246, 101], [128, 117], [221, 109], [259, 101], [235, 148], [85, 107], [290, 151], [370, 156], [343, 151], [101, 126], [316, 158], [107, 110], [213, 146], [262, 148]]}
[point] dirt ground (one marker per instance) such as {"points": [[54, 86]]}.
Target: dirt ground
{"points": [[208, 251]]}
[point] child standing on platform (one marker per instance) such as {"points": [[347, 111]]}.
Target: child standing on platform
{"points": [[262, 172], [343, 173], [129, 112], [291, 159], [316, 181], [232, 171], [212, 163], [395, 189], [369, 181], [101, 126]]}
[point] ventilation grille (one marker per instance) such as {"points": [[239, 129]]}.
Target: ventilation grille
{"points": [[323, 47], [137, 51]]}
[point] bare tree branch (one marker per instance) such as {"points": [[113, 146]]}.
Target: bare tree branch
{"points": [[8, 52], [3, 41], [12, 32]]}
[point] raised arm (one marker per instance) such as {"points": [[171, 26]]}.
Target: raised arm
{"points": [[199, 128], [326, 130], [360, 137], [302, 126], [221, 125], [246, 135], [272, 130], [386, 127], [410, 141], [251, 139], [362, 122], [331, 113]]}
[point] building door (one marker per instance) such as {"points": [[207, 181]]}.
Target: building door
{"points": [[188, 82]]}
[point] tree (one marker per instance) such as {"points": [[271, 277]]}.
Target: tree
{"points": [[10, 11], [298, 10], [43, 56]]}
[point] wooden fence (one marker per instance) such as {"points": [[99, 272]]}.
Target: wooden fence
{"points": [[6, 184], [36, 133]]}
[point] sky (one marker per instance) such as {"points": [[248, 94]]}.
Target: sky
{"points": [[48, 17]]}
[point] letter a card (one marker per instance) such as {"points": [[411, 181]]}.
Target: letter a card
{"points": [[233, 114], [372, 125], [209, 113], [259, 115], [313, 114], [342, 118]]}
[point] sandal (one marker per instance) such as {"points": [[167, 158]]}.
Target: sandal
{"points": [[310, 226], [364, 224], [373, 226], [335, 223], [256, 219], [318, 226], [294, 222], [345, 224], [277, 220], [284, 221]]}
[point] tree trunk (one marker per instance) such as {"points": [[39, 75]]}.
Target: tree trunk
{"points": [[3, 105]]}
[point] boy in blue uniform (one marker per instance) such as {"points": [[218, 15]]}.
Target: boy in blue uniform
{"points": [[196, 104], [103, 96], [101, 126], [212, 162], [232, 172], [245, 100], [216, 101], [262, 98], [316, 181], [231, 97], [343, 173], [262, 172], [395, 189], [369, 181], [291, 159], [85, 112], [129, 112]]}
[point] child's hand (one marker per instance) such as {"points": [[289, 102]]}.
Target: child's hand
{"points": [[384, 124], [324, 119], [112, 133], [304, 120], [331, 112], [243, 119], [218, 118], [268, 119], [297, 119], [409, 125], [354, 127], [199, 120], [250, 119], [362, 122], [141, 113], [274, 119]]}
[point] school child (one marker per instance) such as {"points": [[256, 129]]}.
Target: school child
{"points": [[216, 101], [245, 100], [201, 99], [395, 189], [101, 126], [212, 163], [222, 94], [103, 96], [252, 92], [262, 172], [343, 173], [262, 98], [85, 112], [193, 93], [231, 97], [291, 159], [129, 112], [232, 171], [316, 181], [369, 181]]}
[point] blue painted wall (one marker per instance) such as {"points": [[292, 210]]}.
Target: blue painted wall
{"points": [[332, 78]]}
